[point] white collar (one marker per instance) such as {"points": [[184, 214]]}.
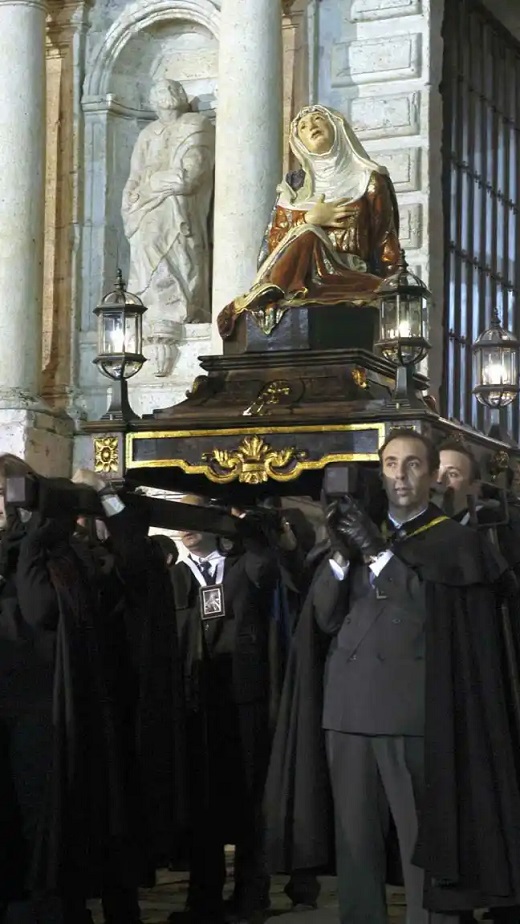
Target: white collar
{"points": [[410, 520], [215, 559], [213, 556]]}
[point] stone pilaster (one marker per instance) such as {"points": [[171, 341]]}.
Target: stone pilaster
{"points": [[248, 141], [22, 164], [296, 69], [66, 35], [380, 64], [27, 428]]}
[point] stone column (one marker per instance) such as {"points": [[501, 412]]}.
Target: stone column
{"points": [[22, 172], [27, 428], [248, 141]]}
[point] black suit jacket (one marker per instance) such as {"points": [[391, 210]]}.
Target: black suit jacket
{"points": [[236, 647], [374, 673]]}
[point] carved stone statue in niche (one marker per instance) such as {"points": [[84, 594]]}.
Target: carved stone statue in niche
{"points": [[333, 233], [165, 208]]}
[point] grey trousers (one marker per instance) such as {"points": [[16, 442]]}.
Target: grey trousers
{"points": [[371, 778]]}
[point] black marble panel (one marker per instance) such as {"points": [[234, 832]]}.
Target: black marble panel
{"points": [[316, 443]]}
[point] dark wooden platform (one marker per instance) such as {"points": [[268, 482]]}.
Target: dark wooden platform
{"points": [[268, 419]]}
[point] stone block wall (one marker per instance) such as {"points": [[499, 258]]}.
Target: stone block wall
{"points": [[379, 63]]}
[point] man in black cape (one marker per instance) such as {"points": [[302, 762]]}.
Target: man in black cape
{"points": [[231, 665], [69, 782], [151, 683], [90, 635], [416, 667], [497, 514]]}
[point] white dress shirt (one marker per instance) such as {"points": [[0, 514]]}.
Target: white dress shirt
{"points": [[215, 560]]}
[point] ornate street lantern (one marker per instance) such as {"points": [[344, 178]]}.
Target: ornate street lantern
{"points": [[403, 318], [120, 342], [403, 326], [495, 365]]}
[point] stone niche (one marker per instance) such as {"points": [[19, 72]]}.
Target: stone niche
{"points": [[150, 39]]}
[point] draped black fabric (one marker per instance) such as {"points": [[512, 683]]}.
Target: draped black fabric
{"points": [[469, 842], [148, 642], [298, 798], [161, 712], [90, 826]]}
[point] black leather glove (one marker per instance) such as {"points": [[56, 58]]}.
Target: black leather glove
{"points": [[339, 544], [354, 528]]}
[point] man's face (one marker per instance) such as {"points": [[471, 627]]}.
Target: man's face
{"points": [[199, 543], [456, 472], [406, 475], [190, 539], [316, 132]]}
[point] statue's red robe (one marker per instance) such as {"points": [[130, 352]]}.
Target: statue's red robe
{"points": [[306, 265]]}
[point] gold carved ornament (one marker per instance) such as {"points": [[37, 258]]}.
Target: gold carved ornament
{"points": [[106, 455], [254, 462], [359, 377], [269, 394], [498, 463]]}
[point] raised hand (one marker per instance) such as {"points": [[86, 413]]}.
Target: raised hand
{"points": [[355, 528], [329, 214]]}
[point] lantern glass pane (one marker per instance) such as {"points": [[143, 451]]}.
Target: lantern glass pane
{"points": [[495, 366], [416, 316], [111, 332], [495, 369], [388, 318], [132, 332], [513, 365], [410, 318], [477, 367], [120, 368], [410, 353]]}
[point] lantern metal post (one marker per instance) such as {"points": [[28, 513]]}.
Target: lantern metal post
{"points": [[403, 329], [120, 341], [495, 373]]}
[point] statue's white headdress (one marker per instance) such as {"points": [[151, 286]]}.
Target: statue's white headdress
{"points": [[342, 172]]}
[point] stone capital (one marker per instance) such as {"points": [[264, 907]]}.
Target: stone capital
{"points": [[64, 18], [36, 4]]}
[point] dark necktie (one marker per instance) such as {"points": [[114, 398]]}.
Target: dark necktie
{"points": [[205, 570]]}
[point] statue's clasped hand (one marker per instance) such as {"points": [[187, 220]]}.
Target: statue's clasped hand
{"points": [[329, 214], [354, 528]]}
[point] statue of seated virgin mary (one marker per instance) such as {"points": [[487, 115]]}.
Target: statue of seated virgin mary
{"points": [[333, 232]]}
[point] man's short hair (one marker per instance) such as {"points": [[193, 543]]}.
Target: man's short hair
{"points": [[166, 544], [454, 445], [407, 433]]}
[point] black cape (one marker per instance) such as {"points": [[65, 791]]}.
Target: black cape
{"points": [[160, 715], [91, 823], [469, 839], [230, 670], [116, 800]]}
